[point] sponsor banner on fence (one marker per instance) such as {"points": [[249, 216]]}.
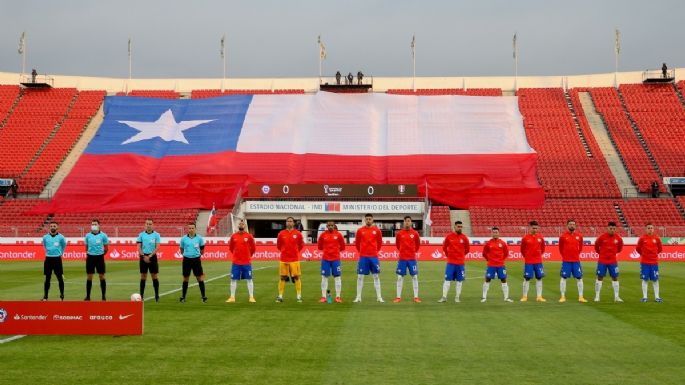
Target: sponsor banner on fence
{"points": [[117, 252], [71, 317], [220, 252], [334, 207], [673, 241]]}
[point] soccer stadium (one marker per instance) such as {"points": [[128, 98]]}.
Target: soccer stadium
{"points": [[210, 212]]}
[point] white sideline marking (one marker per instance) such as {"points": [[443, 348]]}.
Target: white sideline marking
{"points": [[10, 339], [195, 284]]}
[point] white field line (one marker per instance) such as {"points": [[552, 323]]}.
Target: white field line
{"points": [[195, 284], [14, 338], [10, 339]]}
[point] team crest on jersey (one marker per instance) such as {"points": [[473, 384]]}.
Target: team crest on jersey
{"points": [[653, 240], [577, 238], [335, 237], [373, 232], [461, 241], [615, 240], [245, 239], [411, 235], [294, 235]]}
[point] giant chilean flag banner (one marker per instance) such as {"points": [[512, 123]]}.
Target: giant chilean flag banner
{"points": [[153, 153]]}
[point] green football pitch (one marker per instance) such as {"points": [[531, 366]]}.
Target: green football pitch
{"points": [[366, 343]]}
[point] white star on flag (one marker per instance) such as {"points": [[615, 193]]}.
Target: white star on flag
{"points": [[165, 128]]}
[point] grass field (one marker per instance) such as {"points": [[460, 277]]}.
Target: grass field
{"points": [[367, 343]]}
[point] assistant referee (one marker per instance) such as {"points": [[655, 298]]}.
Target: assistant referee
{"points": [[96, 248], [148, 244], [192, 247], [54, 244]]}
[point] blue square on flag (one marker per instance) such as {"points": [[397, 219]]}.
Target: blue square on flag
{"points": [[161, 127]]}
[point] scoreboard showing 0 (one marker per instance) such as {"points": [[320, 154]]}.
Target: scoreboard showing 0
{"points": [[258, 190]]}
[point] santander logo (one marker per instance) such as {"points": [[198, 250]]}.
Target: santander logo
{"points": [[306, 254], [436, 254], [114, 254], [178, 254], [634, 255]]}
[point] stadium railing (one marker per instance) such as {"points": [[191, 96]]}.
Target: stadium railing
{"points": [[652, 74], [122, 231], [589, 231], [331, 80], [44, 79]]}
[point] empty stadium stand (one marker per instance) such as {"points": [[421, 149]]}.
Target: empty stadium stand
{"points": [[680, 201], [565, 168], [587, 136], [169, 223], [662, 212], [8, 96], [660, 117], [636, 160], [34, 120], [58, 146], [680, 86], [15, 223], [591, 216], [441, 223]]}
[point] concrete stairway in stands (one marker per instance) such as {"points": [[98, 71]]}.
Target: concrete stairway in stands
{"points": [[612, 156], [201, 224], [73, 156], [680, 94], [465, 217]]}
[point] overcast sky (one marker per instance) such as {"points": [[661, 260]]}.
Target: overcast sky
{"points": [[277, 38]]}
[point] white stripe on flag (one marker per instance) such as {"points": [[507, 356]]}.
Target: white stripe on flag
{"points": [[381, 125]]}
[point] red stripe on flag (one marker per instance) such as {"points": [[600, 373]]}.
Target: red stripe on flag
{"points": [[132, 182]]}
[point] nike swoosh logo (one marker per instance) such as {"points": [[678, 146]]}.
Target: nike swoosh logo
{"points": [[123, 317]]}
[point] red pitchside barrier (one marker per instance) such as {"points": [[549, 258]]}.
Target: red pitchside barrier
{"points": [[128, 252], [71, 317]]}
